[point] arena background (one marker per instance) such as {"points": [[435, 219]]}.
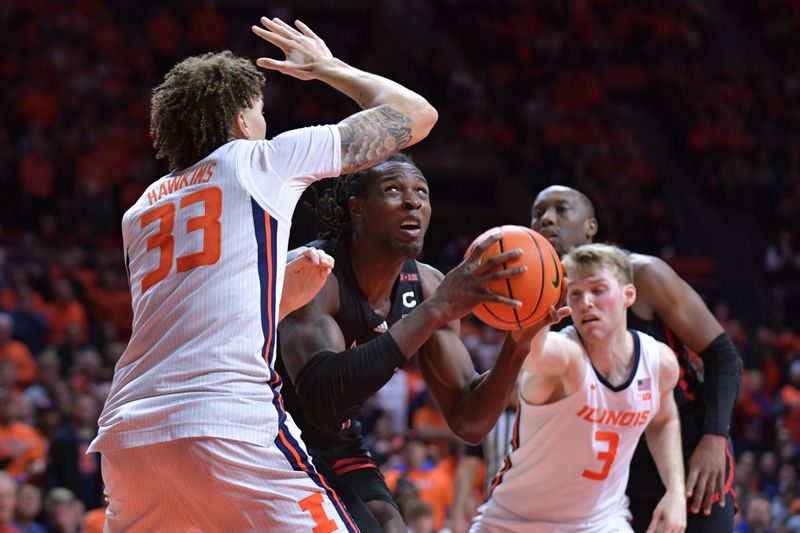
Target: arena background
{"points": [[678, 118]]}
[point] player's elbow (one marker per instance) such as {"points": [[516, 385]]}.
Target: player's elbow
{"points": [[468, 432], [423, 117]]}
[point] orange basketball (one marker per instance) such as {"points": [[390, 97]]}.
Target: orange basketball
{"points": [[538, 288]]}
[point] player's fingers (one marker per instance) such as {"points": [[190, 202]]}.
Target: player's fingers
{"points": [[691, 481], [482, 246], [489, 296], [305, 29], [721, 488], [501, 274], [326, 259], [279, 27], [272, 37], [498, 259], [273, 64], [700, 490]]}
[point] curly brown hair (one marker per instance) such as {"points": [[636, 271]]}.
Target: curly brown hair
{"points": [[191, 112]]}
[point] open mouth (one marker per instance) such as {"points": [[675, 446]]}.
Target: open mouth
{"points": [[410, 224], [589, 319]]}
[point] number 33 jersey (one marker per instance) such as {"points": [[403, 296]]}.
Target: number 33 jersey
{"points": [[205, 251], [569, 464]]}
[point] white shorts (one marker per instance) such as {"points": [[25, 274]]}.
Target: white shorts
{"points": [[494, 523], [219, 485]]}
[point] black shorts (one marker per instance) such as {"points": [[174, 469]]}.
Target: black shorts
{"points": [[357, 481], [645, 491]]}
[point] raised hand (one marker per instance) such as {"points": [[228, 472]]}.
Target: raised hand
{"points": [[304, 50], [305, 275], [465, 286]]}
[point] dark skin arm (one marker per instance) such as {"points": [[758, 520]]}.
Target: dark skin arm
{"points": [[471, 403], [660, 291], [313, 329]]}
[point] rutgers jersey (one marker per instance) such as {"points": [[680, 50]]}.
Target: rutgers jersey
{"points": [[568, 468], [205, 250]]}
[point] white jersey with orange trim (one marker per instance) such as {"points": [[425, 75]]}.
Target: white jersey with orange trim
{"points": [[570, 459], [205, 250]]}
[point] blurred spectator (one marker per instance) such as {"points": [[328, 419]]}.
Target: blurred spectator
{"points": [[68, 464], [757, 516], [418, 517], [22, 448], [63, 511], [788, 402], [29, 506], [433, 483], [30, 326], [16, 352], [66, 311], [8, 501]]}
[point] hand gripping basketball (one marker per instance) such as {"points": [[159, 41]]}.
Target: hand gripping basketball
{"points": [[539, 288], [468, 284]]}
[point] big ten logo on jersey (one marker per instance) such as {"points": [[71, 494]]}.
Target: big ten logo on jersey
{"points": [[408, 276]]}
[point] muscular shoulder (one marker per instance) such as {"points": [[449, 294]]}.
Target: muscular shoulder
{"points": [[669, 371], [430, 278], [648, 269], [326, 301]]}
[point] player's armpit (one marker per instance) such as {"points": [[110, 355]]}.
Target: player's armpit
{"points": [[373, 135]]}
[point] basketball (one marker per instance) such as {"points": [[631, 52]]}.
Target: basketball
{"points": [[538, 288]]}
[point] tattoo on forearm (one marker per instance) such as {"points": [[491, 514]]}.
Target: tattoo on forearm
{"points": [[371, 136]]}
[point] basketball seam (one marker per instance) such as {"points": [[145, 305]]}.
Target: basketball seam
{"points": [[510, 295]]}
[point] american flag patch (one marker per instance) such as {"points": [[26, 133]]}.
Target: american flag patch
{"points": [[643, 384]]}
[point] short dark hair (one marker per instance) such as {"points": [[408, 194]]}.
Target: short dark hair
{"points": [[191, 112], [331, 207]]}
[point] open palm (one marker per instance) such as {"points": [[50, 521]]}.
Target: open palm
{"points": [[303, 48]]}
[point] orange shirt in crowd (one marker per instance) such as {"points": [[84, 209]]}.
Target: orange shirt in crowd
{"points": [[434, 486], [791, 399], [60, 316], [23, 446], [17, 352], [93, 521]]}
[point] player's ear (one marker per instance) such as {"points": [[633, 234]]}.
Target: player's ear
{"points": [[591, 228], [629, 294], [240, 129], [356, 208]]}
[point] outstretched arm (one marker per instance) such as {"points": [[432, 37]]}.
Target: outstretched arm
{"points": [[394, 117], [682, 310], [664, 441]]}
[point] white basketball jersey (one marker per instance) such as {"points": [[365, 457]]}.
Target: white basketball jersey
{"points": [[205, 250], [570, 461]]}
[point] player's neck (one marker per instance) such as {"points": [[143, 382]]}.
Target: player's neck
{"points": [[612, 356], [375, 271]]}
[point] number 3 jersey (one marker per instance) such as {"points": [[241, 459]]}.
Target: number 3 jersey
{"points": [[569, 464], [205, 250]]}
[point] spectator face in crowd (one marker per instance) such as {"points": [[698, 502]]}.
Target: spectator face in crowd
{"points": [[29, 503], [416, 453], [758, 515], [8, 499], [84, 411], [6, 327]]}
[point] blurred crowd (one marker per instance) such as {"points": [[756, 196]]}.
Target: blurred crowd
{"points": [[627, 101]]}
